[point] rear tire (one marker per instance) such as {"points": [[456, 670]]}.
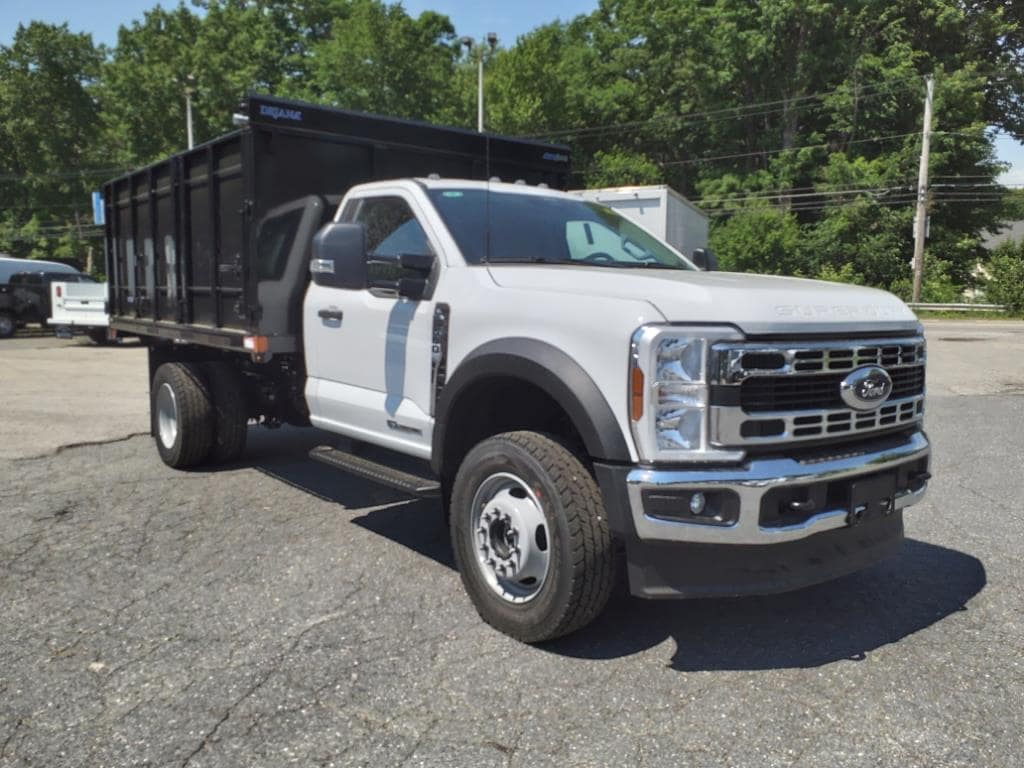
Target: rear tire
{"points": [[182, 414], [98, 336], [516, 495], [7, 326], [231, 413]]}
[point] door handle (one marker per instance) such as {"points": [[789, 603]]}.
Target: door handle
{"points": [[330, 314]]}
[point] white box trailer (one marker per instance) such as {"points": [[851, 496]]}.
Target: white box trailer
{"points": [[660, 209]]}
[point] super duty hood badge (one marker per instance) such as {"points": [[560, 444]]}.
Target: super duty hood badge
{"points": [[866, 388]]}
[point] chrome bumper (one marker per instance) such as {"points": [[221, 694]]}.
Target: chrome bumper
{"points": [[751, 482]]}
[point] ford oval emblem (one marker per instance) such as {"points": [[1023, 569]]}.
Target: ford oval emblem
{"points": [[866, 388]]}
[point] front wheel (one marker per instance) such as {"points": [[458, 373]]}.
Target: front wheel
{"points": [[530, 537], [7, 325]]}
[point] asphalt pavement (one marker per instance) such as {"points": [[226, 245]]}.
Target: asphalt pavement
{"points": [[275, 612]]}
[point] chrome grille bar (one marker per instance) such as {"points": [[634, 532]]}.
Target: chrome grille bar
{"points": [[727, 424], [731, 363]]}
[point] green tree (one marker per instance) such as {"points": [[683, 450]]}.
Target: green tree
{"points": [[811, 107], [47, 133], [1006, 276], [377, 58], [759, 240]]}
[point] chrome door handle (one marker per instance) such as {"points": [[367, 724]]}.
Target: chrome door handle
{"points": [[330, 314]]}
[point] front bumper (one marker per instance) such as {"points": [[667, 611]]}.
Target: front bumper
{"points": [[783, 522]]}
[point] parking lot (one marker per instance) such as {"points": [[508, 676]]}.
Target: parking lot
{"points": [[274, 612]]}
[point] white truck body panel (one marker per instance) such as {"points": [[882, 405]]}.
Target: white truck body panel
{"points": [[81, 305], [660, 210]]}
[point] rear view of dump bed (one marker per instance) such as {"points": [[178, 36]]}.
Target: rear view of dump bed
{"points": [[212, 245]]}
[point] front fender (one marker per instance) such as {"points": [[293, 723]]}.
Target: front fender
{"points": [[549, 369]]}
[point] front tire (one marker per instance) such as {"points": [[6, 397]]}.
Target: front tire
{"points": [[530, 537], [7, 326], [182, 414]]}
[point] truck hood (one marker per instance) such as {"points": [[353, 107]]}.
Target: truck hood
{"points": [[756, 304]]}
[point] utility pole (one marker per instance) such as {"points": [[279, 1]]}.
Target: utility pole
{"points": [[189, 90], [480, 94], [492, 42], [921, 219]]}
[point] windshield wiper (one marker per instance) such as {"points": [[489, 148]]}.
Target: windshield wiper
{"points": [[531, 260]]}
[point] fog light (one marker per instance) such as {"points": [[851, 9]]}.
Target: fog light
{"points": [[696, 507], [697, 503]]}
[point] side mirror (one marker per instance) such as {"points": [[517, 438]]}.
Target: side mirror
{"points": [[705, 259], [339, 256], [407, 274]]}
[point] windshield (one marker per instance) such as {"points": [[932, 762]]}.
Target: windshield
{"points": [[528, 228]]}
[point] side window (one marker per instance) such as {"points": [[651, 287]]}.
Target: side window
{"points": [[391, 227], [391, 230], [274, 242]]}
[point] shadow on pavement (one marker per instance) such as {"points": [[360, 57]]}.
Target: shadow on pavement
{"points": [[414, 523], [845, 619]]}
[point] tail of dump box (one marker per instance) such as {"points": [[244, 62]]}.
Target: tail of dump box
{"points": [[211, 245]]}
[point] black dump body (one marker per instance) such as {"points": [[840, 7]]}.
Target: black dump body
{"points": [[212, 244]]}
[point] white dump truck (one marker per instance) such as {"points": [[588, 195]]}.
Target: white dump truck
{"points": [[576, 392]]}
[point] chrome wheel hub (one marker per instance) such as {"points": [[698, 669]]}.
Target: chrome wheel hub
{"points": [[166, 415], [510, 537]]}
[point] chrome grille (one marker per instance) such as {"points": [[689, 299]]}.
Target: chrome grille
{"points": [[784, 393], [731, 363], [778, 393]]}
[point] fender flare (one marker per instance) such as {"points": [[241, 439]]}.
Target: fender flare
{"points": [[550, 370]]}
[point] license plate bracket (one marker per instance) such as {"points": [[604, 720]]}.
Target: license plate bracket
{"points": [[871, 498]]}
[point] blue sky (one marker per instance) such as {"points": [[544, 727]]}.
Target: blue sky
{"points": [[507, 18]]}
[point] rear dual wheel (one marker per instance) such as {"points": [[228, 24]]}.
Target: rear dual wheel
{"points": [[199, 413]]}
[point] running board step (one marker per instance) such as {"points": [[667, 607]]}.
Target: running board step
{"points": [[379, 473]]}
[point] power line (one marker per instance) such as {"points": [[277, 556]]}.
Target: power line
{"points": [[789, 195], [779, 150], [736, 112], [811, 207], [61, 174]]}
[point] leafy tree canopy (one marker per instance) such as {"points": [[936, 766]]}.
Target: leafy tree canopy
{"points": [[794, 123]]}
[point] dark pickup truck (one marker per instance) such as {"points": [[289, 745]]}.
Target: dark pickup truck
{"points": [[26, 297]]}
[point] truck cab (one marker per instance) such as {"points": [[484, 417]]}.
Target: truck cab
{"points": [[739, 427], [24, 290]]}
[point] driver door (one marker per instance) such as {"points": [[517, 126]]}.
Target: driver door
{"points": [[368, 352]]}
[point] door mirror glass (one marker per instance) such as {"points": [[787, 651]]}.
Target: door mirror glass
{"points": [[339, 257], [412, 288], [705, 259]]}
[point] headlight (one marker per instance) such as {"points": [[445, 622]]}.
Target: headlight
{"points": [[669, 392]]}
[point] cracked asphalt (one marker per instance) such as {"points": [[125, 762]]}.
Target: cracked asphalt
{"points": [[275, 612]]}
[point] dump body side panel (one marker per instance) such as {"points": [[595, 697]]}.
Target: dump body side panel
{"points": [[212, 244]]}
